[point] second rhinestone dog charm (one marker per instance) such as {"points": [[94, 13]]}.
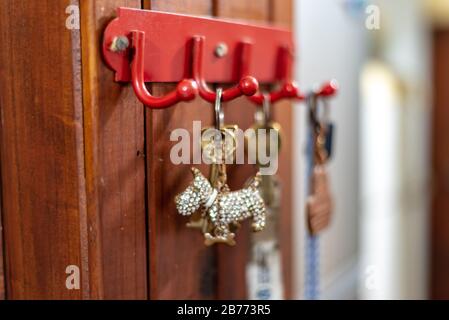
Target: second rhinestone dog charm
{"points": [[221, 209]]}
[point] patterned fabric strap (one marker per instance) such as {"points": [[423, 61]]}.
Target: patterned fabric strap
{"points": [[312, 265]]}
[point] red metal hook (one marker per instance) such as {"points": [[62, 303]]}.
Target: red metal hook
{"points": [[288, 89], [328, 89], [247, 86], [186, 90]]}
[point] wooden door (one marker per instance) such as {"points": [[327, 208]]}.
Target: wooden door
{"points": [[440, 168], [86, 176]]}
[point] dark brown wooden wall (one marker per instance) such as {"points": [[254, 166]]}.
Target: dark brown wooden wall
{"points": [[2, 277], [440, 167], [115, 171], [43, 183], [181, 267], [85, 174], [73, 181]]}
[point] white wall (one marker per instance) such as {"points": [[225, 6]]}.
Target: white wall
{"points": [[381, 146], [394, 218], [331, 43]]}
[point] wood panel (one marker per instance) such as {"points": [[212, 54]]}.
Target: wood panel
{"points": [[440, 167], [2, 275], [282, 14], [42, 160], [232, 261], [78, 195], [115, 163], [79, 155], [181, 267], [251, 10], [168, 233]]}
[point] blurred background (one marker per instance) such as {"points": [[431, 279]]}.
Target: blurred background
{"points": [[389, 238]]}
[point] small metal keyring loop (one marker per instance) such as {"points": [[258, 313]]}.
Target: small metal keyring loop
{"points": [[312, 102], [219, 116], [266, 108], [326, 109]]}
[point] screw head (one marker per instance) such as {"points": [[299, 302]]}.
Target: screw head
{"points": [[119, 44], [221, 50]]}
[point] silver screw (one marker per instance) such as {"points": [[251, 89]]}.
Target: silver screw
{"points": [[221, 50], [119, 44]]}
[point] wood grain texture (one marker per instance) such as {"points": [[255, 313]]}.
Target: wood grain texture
{"points": [[42, 163], [77, 194], [181, 267], [440, 167], [282, 14], [251, 10], [115, 165], [2, 274], [79, 155], [232, 261]]}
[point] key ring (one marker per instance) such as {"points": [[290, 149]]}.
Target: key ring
{"points": [[312, 101], [266, 107], [219, 116], [221, 210], [319, 128]]}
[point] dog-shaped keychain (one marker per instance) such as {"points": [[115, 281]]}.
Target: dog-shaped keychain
{"points": [[222, 209]]}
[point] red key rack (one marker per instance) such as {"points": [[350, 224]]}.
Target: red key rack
{"points": [[149, 46]]}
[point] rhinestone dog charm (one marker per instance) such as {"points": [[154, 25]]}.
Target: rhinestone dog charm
{"points": [[222, 208]]}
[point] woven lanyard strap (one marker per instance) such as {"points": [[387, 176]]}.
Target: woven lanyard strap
{"points": [[312, 278]]}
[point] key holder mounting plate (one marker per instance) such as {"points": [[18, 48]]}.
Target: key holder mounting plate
{"points": [[168, 47]]}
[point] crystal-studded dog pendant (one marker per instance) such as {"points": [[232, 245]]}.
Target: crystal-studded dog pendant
{"points": [[222, 208]]}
